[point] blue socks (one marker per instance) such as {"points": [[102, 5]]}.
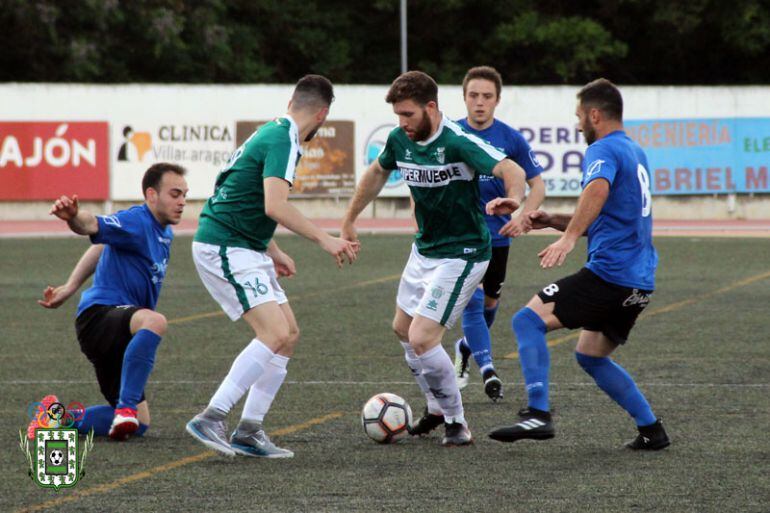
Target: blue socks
{"points": [[619, 385], [490, 313], [138, 361], [100, 419], [477, 332], [534, 356]]}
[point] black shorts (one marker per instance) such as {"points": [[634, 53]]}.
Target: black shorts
{"points": [[104, 333], [584, 300], [494, 278]]}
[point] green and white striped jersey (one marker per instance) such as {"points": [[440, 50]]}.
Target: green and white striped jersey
{"points": [[442, 175], [235, 215]]}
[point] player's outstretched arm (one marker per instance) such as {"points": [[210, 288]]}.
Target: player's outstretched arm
{"points": [[277, 206], [54, 297], [540, 219], [519, 225], [514, 180], [589, 206], [370, 185], [80, 221]]}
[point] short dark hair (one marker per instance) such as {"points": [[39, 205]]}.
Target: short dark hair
{"points": [[413, 85], [603, 95], [483, 73], [154, 175], [312, 91]]}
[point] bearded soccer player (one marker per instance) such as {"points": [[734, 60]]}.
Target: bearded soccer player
{"points": [[117, 325], [482, 86], [441, 164], [239, 263], [608, 294]]}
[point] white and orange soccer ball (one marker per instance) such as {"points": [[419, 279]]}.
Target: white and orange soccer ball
{"points": [[386, 418]]}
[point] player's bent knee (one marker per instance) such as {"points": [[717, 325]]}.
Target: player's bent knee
{"points": [[401, 333], [526, 319], [590, 363], [152, 321], [277, 340], [421, 345], [292, 339]]}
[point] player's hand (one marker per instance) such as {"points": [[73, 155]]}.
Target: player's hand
{"points": [[556, 253], [537, 220], [348, 232], [65, 208], [284, 264], [515, 227], [501, 206], [341, 249], [55, 297]]}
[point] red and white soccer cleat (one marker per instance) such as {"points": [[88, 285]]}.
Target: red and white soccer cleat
{"points": [[124, 424]]}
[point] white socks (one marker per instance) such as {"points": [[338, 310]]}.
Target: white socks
{"points": [[245, 371], [413, 361], [439, 375], [263, 392]]}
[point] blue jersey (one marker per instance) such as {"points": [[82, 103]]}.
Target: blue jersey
{"points": [[620, 246], [133, 263], [513, 144]]}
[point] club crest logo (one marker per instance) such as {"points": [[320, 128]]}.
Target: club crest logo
{"points": [[54, 458]]}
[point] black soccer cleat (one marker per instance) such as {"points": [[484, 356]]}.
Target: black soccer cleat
{"points": [[533, 424], [462, 364], [457, 434], [650, 438], [427, 423], [493, 387]]}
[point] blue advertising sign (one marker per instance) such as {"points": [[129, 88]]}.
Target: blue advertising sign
{"points": [[705, 156]]}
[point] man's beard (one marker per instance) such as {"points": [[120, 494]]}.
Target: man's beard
{"points": [[589, 133], [423, 130]]}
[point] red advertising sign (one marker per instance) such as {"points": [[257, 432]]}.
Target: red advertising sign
{"points": [[43, 160]]}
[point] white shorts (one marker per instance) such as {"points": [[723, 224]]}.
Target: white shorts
{"points": [[237, 278], [438, 288]]}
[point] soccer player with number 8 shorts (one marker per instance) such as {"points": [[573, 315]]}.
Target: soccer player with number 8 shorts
{"points": [[606, 296]]}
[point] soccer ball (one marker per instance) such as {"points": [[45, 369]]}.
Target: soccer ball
{"points": [[56, 457], [386, 418]]}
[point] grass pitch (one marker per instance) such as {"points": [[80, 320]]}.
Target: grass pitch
{"points": [[701, 354]]}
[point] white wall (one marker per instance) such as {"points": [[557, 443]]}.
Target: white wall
{"points": [[147, 107]]}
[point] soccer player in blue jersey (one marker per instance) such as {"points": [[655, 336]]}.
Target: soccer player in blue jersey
{"points": [[607, 295], [117, 326], [481, 90]]}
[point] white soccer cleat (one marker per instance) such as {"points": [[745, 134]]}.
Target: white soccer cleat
{"points": [[257, 445], [210, 433]]}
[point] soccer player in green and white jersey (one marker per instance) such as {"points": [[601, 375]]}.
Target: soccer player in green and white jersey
{"points": [[239, 263], [441, 164]]}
